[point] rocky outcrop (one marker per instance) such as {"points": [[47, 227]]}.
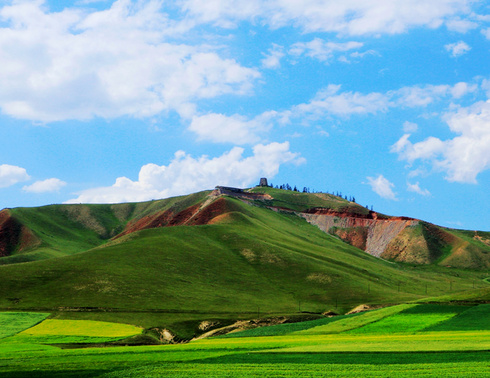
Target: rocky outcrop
{"points": [[369, 232]]}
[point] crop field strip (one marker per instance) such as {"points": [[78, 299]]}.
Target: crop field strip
{"points": [[15, 322], [453, 353]]}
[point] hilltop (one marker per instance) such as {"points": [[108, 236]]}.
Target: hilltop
{"points": [[228, 254], [28, 234]]}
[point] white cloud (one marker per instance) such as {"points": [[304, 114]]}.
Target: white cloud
{"points": [[235, 129], [44, 186], [461, 25], [353, 17], [322, 50], [382, 187], [332, 101], [428, 149], [410, 127], [457, 49], [486, 33], [464, 156], [11, 175], [186, 174], [461, 89], [417, 189], [342, 104], [273, 58], [81, 64], [419, 95]]}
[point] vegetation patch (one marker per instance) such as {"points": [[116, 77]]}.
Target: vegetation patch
{"points": [[353, 322], [54, 331], [15, 322], [474, 318], [287, 328], [413, 319]]}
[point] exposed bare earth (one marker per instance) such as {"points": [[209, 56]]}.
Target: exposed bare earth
{"points": [[365, 232], [13, 235]]}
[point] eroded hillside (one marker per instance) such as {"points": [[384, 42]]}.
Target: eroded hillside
{"points": [[28, 234]]}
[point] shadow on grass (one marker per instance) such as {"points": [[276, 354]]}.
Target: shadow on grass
{"points": [[54, 374], [369, 358]]}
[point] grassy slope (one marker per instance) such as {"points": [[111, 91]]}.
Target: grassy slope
{"points": [[467, 250], [255, 260], [303, 201], [422, 244], [68, 229]]}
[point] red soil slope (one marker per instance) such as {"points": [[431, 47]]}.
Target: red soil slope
{"points": [[13, 235], [199, 214], [369, 232]]}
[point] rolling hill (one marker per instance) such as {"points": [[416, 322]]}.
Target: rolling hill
{"points": [[226, 254]]}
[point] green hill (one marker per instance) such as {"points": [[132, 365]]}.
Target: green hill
{"points": [[224, 256]]}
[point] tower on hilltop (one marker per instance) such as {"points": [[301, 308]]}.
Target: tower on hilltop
{"points": [[263, 182]]}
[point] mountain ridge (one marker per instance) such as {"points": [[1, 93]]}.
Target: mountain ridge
{"points": [[394, 238]]}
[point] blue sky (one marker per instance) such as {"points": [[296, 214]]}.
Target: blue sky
{"points": [[116, 101]]}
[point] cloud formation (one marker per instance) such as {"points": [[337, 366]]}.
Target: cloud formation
{"points": [[457, 49], [186, 174], [328, 102], [462, 157], [332, 101], [45, 186], [354, 17], [236, 129], [417, 189], [11, 175], [382, 187], [117, 62], [273, 58], [322, 50]]}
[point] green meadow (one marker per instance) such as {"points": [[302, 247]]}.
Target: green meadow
{"points": [[373, 344], [107, 291]]}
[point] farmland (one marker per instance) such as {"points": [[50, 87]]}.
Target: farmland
{"points": [[365, 349], [155, 288]]}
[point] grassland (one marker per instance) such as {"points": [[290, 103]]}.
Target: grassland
{"points": [[12, 323], [455, 353], [248, 262], [253, 261]]}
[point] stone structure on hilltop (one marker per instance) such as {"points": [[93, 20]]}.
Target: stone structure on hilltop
{"points": [[263, 182]]}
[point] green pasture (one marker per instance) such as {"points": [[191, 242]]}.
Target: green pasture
{"points": [[425, 352], [412, 319], [12, 323], [263, 262]]}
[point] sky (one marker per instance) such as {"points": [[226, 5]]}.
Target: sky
{"points": [[387, 101]]}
